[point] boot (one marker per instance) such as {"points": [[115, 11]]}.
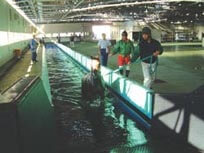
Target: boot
{"points": [[121, 72], [127, 73]]}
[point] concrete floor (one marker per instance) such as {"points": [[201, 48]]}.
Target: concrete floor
{"points": [[23, 68], [181, 67]]}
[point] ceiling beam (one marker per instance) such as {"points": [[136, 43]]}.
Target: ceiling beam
{"points": [[74, 7], [129, 4]]}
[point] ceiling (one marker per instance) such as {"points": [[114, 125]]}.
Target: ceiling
{"points": [[59, 11]]}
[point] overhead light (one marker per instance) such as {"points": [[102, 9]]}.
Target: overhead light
{"points": [[187, 14], [203, 13]]}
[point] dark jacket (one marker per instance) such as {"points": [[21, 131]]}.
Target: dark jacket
{"points": [[147, 49]]}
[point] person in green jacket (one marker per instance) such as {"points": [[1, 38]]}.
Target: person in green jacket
{"points": [[124, 48]]}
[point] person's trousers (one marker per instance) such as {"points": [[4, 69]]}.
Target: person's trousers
{"points": [[34, 56], [123, 62], [104, 57], [149, 73]]}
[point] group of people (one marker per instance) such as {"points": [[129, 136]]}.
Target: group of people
{"points": [[147, 51]]}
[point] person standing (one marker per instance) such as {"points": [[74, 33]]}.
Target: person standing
{"points": [[125, 49], [72, 40], [104, 49], [33, 48], [149, 50]]}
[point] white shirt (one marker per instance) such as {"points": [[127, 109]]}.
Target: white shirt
{"points": [[104, 44]]}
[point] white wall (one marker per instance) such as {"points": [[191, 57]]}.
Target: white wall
{"points": [[68, 27], [116, 28], [130, 27], [199, 29], [156, 34]]}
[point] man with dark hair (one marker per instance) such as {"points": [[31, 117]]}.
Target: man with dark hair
{"points": [[125, 49], [149, 49]]}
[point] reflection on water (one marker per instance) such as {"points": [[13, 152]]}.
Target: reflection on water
{"points": [[84, 127]]}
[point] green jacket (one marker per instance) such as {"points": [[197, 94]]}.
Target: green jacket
{"points": [[123, 48]]}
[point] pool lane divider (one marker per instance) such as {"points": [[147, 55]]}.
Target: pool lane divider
{"points": [[138, 101]]}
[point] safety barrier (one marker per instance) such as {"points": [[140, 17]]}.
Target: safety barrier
{"points": [[44, 76]]}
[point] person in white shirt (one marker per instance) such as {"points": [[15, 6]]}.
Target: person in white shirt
{"points": [[104, 49]]}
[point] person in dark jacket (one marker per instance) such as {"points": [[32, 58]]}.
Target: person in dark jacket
{"points": [[149, 50]]}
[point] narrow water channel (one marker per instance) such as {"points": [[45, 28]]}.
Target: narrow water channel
{"points": [[99, 127]]}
